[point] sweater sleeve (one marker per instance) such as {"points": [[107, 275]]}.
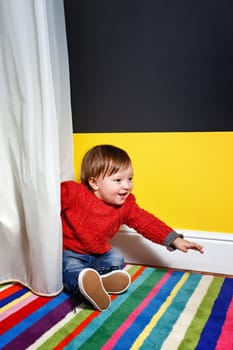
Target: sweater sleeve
{"points": [[68, 190], [148, 225]]}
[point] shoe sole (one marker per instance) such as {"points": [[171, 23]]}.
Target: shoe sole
{"points": [[116, 282], [91, 286]]}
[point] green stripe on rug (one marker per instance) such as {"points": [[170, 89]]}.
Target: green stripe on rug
{"points": [[193, 333], [103, 333]]}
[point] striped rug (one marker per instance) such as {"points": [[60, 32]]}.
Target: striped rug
{"points": [[163, 309]]}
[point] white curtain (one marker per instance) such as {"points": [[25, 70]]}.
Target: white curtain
{"points": [[35, 141]]}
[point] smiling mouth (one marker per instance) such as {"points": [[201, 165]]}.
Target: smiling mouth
{"points": [[123, 195]]}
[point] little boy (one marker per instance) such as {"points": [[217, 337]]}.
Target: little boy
{"points": [[92, 212]]}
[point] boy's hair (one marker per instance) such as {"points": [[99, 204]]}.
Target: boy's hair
{"points": [[103, 160]]}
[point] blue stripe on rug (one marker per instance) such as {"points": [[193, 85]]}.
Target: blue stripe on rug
{"points": [[103, 316], [13, 296], [155, 339], [145, 316], [212, 329], [27, 322]]}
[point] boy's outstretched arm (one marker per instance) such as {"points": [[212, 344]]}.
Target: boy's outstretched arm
{"points": [[183, 245]]}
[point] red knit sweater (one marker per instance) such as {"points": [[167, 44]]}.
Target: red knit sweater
{"points": [[89, 224]]}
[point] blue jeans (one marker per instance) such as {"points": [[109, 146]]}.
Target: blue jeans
{"points": [[74, 263]]}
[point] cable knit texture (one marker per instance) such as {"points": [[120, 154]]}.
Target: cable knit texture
{"points": [[89, 224]]}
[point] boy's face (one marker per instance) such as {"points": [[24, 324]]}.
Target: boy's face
{"points": [[113, 189]]}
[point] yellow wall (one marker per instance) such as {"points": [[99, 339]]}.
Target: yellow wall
{"points": [[186, 179]]}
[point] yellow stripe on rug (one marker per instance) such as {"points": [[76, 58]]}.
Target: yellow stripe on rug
{"points": [[16, 301], [147, 330]]}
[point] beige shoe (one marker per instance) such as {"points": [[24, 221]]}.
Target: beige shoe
{"points": [[91, 286], [116, 282]]}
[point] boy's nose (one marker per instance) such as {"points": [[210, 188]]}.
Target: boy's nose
{"points": [[126, 185]]}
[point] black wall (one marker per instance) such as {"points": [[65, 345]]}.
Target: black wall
{"points": [[150, 65]]}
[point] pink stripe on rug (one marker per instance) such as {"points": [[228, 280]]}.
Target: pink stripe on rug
{"points": [[17, 306], [225, 340], [129, 321]]}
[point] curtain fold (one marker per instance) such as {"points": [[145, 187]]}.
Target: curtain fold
{"points": [[35, 141]]}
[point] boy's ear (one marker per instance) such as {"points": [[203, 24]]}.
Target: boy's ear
{"points": [[93, 183]]}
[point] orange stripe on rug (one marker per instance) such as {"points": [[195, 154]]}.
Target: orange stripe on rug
{"points": [[10, 290], [138, 273]]}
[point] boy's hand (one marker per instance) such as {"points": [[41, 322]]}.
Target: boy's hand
{"points": [[184, 245]]}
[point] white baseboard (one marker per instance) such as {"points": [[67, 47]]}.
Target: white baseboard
{"points": [[217, 258]]}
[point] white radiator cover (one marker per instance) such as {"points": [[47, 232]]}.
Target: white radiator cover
{"points": [[217, 257]]}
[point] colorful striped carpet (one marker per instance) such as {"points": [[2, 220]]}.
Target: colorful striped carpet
{"points": [[163, 309]]}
